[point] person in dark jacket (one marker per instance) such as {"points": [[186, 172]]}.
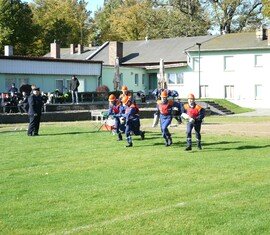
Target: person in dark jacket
{"points": [[34, 112], [13, 89], [73, 88]]}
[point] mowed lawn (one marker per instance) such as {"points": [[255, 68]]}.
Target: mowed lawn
{"points": [[74, 180]]}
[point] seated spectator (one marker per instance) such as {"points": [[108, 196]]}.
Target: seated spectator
{"points": [[13, 89], [9, 103], [50, 98], [23, 103]]}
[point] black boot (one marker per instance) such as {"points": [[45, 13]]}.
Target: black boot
{"points": [[167, 142], [189, 144], [129, 145], [119, 137], [199, 145], [170, 141], [142, 135]]}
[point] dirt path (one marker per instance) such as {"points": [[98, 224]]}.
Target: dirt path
{"points": [[241, 129]]}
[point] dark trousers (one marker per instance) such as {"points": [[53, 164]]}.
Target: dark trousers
{"points": [[197, 127], [118, 126], [132, 125], [164, 123], [34, 122]]}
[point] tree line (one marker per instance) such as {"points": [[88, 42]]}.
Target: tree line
{"points": [[30, 28]]}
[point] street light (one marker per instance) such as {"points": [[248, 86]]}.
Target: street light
{"points": [[199, 55]]}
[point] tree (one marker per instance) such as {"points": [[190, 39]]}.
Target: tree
{"points": [[101, 26], [235, 15], [65, 21], [266, 8], [16, 26], [137, 19]]}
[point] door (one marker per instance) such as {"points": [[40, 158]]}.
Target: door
{"points": [[152, 81]]}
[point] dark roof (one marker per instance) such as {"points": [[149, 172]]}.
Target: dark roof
{"points": [[144, 52], [171, 50], [234, 41], [48, 59], [65, 53]]}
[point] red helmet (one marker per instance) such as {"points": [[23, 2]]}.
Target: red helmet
{"points": [[112, 97], [164, 94], [124, 88], [125, 100], [191, 96]]}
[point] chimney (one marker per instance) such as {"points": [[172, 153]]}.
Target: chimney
{"points": [[80, 49], [72, 49], [8, 50], [115, 50], [55, 50], [261, 33]]}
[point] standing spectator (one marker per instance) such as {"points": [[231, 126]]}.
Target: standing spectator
{"points": [[13, 89], [73, 87], [34, 112], [194, 113]]}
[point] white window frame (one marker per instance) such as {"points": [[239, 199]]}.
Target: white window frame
{"points": [[229, 64], [258, 91], [229, 91], [204, 91], [258, 61], [175, 78]]}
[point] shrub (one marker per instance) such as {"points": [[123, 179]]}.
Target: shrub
{"points": [[103, 89]]}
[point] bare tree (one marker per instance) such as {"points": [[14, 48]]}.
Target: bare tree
{"points": [[234, 15]]}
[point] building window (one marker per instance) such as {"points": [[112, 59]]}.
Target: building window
{"points": [[204, 91], [9, 81], [143, 79], [23, 81], [229, 92], [228, 63], [258, 61], [136, 79], [121, 80], [59, 85], [68, 85], [258, 91], [176, 78]]}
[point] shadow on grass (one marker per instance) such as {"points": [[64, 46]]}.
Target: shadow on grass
{"points": [[11, 131], [221, 142], [239, 147], [69, 133]]}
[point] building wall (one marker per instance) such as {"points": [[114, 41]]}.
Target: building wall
{"points": [[47, 83], [48, 75], [244, 74], [127, 77]]}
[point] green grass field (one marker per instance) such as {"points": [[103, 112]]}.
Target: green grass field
{"points": [[74, 180]]}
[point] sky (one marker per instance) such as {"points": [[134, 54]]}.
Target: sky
{"points": [[92, 5]]}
